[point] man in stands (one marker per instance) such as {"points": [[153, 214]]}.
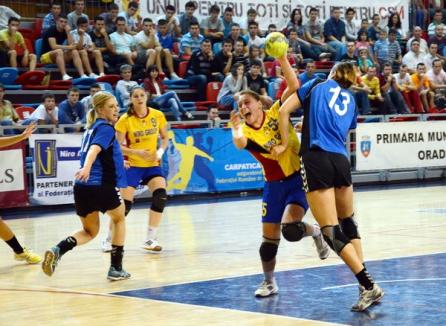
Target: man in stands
{"points": [[314, 33], [87, 101], [251, 16], [5, 14], [191, 42], [213, 118], [439, 38], [55, 51], [417, 35], [334, 32], [71, 111], [227, 21], [110, 18], [235, 36], [188, 18], [46, 113], [436, 21], [374, 29], [123, 43], [172, 21], [437, 77], [212, 26], [310, 73], [51, 18], [253, 35], [350, 55], [389, 89], [78, 12], [223, 60], [199, 69], [423, 86], [10, 38], [432, 55], [413, 57], [131, 18], [103, 44], [256, 83]]}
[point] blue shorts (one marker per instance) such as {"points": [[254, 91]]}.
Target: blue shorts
{"points": [[278, 194], [141, 176]]}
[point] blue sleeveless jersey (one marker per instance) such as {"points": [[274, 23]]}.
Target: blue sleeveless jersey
{"points": [[329, 114], [108, 168]]}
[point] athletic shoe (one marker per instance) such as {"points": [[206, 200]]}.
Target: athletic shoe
{"points": [[51, 260], [66, 77], [152, 246], [29, 256], [115, 275], [368, 297], [174, 76], [189, 115], [266, 289], [106, 245], [322, 247]]}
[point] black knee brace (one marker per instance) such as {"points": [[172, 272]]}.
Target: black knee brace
{"points": [[293, 231], [335, 238], [268, 249], [349, 227], [128, 206], [159, 200]]}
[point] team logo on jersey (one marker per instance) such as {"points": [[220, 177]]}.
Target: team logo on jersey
{"points": [[366, 146], [45, 158]]}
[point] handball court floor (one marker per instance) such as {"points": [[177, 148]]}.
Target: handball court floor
{"points": [[209, 268]]}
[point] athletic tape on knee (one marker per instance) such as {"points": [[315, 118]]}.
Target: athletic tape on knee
{"points": [[268, 249], [335, 238], [128, 206], [293, 231], [159, 200], [349, 227]]}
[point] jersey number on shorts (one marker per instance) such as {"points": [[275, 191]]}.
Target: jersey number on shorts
{"points": [[264, 209], [345, 100]]}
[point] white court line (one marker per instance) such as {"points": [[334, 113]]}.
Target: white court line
{"points": [[388, 281]]}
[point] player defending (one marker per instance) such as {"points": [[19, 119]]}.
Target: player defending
{"points": [[284, 203]]}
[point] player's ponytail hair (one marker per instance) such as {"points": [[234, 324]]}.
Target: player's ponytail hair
{"points": [[344, 74], [130, 108], [99, 99]]}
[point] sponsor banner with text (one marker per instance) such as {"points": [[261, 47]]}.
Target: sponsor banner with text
{"points": [[13, 185], [400, 145]]}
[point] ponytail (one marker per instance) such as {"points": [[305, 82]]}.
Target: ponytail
{"points": [[91, 118]]}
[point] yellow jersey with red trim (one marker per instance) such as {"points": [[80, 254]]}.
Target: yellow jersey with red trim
{"points": [[267, 136], [142, 133]]}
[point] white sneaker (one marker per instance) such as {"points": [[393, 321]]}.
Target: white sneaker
{"points": [[266, 289], [322, 247], [174, 76], [106, 245], [152, 246], [84, 76], [101, 74], [189, 115], [93, 75], [66, 77], [368, 297]]}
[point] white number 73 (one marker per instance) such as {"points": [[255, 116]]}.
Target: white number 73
{"points": [[345, 100]]}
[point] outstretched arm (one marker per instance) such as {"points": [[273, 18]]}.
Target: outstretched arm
{"points": [[7, 141], [291, 104], [290, 78]]}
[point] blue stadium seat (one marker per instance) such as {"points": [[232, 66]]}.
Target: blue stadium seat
{"points": [[8, 76], [273, 87], [217, 47]]}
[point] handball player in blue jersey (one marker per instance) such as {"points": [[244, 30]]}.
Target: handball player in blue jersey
{"points": [[329, 114], [97, 187]]}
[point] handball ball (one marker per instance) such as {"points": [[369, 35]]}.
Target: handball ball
{"points": [[276, 45]]}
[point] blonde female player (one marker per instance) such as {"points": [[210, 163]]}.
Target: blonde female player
{"points": [[329, 113], [6, 234], [284, 203], [137, 131], [97, 187]]}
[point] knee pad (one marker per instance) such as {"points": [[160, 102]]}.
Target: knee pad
{"points": [[159, 200], [335, 238], [128, 206], [293, 231], [349, 227], [268, 249]]}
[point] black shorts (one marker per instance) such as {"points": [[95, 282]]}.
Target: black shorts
{"points": [[323, 170], [89, 199]]}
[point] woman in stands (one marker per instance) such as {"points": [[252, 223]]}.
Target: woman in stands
{"points": [[329, 114], [20, 253], [8, 115], [137, 132], [166, 101], [233, 84], [102, 172]]}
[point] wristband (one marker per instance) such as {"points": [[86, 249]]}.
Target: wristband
{"points": [[237, 133], [159, 153]]}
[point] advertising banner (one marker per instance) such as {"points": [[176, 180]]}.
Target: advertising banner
{"points": [[400, 145]]}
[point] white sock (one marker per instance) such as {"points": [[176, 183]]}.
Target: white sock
{"points": [[151, 232], [316, 231]]}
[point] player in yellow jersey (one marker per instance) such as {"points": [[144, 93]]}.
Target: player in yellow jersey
{"points": [[284, 203], [138, 131], [6, 234]]}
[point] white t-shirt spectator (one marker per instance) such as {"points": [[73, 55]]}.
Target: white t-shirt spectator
{"points": [[87, 39], [142, 37], [402, 81], [439, 79], [123, 43], [411, 59], [41, 114]]}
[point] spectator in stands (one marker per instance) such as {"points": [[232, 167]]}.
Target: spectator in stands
{"points": [[436, 21], [439, 38], [55, 51], [271, 29], [166, 101], [46, 113], [232, 86], [222, 62], [110, 18], [423, 86], [71, 111], [172, 22], [87, 101], [51, 18], [372, 82], [334, 32], [148, 46], [79, 6], [131, 19], [255, 55], [408, 90], [310, 73], [351, 30], [188, 18], [239, 54], [5, 14], [8, 115], [393, 99], [395, 52], [295, 24], [191, 42], [394, 22], [227, 21], [374, 29], [277, 69], [314, 33], [87, 49], [364, 63], [256, 83], [10, 39], [251, 16], [434, 5], [350, 55], [364, 25], [235, 36], [165, 36], [417, 33], [381, 50], [212, 26], [432, 55], [253, 35], [213, 117], [123, 43], [124, 86], [103, 44], [361, 91], [437, 77], [412, 58], [199, 69], [363, 42]]}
